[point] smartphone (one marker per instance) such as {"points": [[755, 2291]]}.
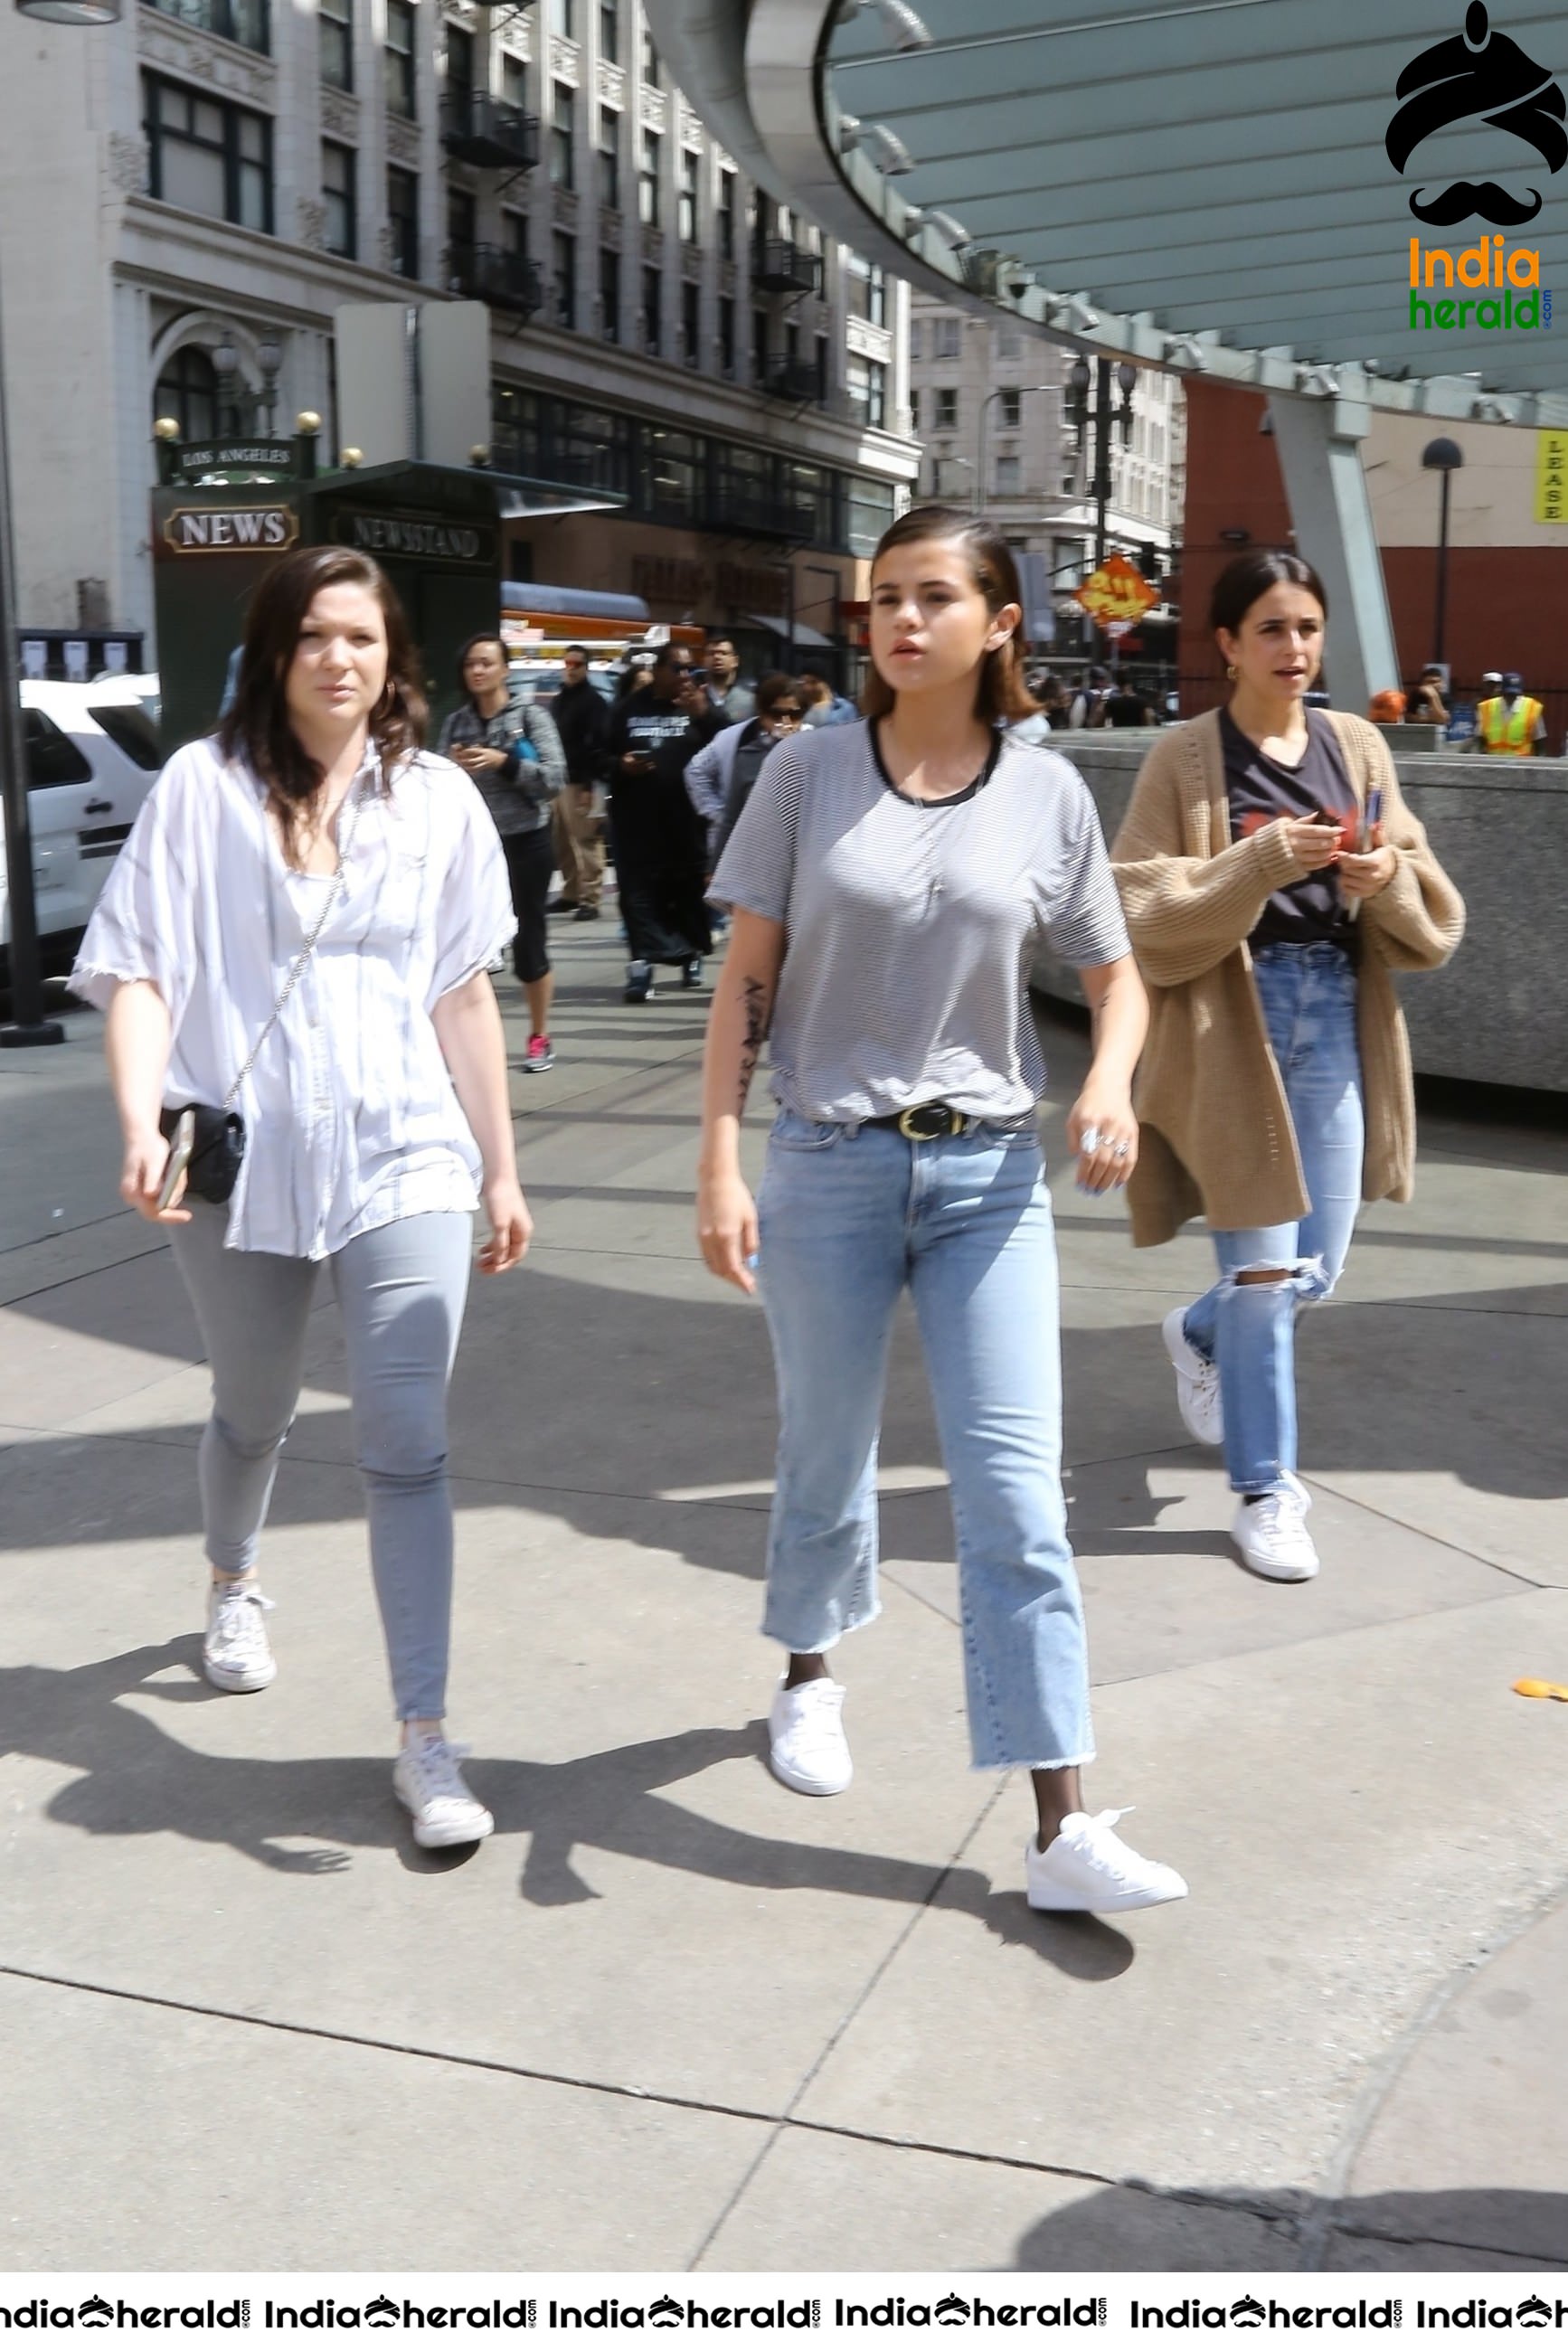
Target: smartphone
{"points": [[180, 1151], [1373, 816]]}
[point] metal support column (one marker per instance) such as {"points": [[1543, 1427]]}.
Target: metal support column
{"points": [[1319, 443]]}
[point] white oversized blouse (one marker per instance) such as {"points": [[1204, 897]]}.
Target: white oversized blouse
{"points": [[351, 1114]]}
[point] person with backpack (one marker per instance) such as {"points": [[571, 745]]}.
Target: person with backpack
{"points": [[1087, 707], [510, 747]]}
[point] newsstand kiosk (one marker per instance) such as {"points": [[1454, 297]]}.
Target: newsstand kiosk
{"points": [[227, 511]]}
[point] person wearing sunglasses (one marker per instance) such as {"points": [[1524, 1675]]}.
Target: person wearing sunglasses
{"points": [[720, 777]]}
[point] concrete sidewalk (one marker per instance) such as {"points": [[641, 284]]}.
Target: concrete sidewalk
{"points": [[670, 2016]]}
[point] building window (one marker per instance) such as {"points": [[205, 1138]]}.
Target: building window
{"points": [[876, 394], [915, 409], [671, 475], [866, 289], [340, 234], [760, 344], [514, 81], [1008, 479], [726, 336], [652, 305], [563, 18], [609, 160], [650, 57], [337, 20], [1010, 342], [691, 325], [610, 31], [459, 61], [462, 228], [515, 235], [399, 56], [1069, 484], [726, 211], [946, 416], [822, 371], [208, 156], [649, 169], [1010, 406], [565, 250], [245, 21], [402, 221], [687, 204], [610, 294], [188, 390], [916, 340], [945, 337], [563, 96], [869, 512]]}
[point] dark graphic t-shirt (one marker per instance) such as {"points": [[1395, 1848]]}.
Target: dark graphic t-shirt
{"points": [[1260, 789]]}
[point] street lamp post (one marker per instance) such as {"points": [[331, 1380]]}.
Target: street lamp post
{"points": [[1444, 457], [28, 1025], [1081, 378]]}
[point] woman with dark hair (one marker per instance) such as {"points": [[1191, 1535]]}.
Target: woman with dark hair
{"points": [[295, 943], [511, 748], [1273, 879], [890, 882]]}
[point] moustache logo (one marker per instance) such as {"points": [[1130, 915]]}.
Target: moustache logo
{"points": [[1481, 76], [1470, 199]]}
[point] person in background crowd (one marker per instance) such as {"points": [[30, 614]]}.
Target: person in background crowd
{"points": [[633, 678], [1509, 722], [582, 719], [1386, 708], [301, 926], [1128, 706], [661, 843], [509, 746], [1269, 904], [825, 706], [1428, 707], [890, 882], [720, 777], [726, 694], [1087, 707]]}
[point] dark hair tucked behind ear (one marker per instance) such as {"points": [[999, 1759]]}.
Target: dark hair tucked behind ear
{"points": [[257, 726], [1000, 694], [1247, 577]]}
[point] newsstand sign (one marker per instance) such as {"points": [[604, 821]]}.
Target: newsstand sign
{"points": [[230, 530]]}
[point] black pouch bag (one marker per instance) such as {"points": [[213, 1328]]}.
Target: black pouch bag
{"points": [[217, 1153]]}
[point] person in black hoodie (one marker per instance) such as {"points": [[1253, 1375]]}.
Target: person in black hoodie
{"points": [[661, 849], [583, 717]]}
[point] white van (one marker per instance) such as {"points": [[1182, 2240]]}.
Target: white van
{"points": [[92, 758]]}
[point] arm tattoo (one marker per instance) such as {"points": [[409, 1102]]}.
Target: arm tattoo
{"points": [[754, 997]]}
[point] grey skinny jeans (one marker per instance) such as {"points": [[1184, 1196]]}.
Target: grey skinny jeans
{"points": [[400, 1290]]}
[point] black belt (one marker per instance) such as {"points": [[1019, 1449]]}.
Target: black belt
{"points": [[929, 1122]]}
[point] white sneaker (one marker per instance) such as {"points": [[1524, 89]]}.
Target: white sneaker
{"points": [[445, 1809], [806, 1743], [236, 1654], [1088, 1867], [1197, 1382], [1271, 1534]]}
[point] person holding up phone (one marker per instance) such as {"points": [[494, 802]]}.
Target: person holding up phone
{"points": [[661, 841], [1273, 879], [300, 929]]}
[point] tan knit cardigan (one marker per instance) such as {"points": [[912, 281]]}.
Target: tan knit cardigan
{"points": [[1216, 1137]]}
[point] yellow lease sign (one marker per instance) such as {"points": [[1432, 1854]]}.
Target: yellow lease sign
{"points": [[1552, 478], [1118, 591]]}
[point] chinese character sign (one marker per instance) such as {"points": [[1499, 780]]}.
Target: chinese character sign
{"points": [[1119, 591], [1552, 478]]}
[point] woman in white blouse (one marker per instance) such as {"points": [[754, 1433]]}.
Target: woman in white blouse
{"points": [[371, 1084]]}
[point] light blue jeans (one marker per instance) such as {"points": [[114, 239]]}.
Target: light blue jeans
{"points": [[401, 1292], [850, 1217], [1309, 1002]]}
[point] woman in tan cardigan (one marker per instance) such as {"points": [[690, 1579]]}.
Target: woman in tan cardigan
{"points": [[1273, 879]]}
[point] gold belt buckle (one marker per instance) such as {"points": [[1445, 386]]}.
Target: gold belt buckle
{"points": [[924, 1122]]}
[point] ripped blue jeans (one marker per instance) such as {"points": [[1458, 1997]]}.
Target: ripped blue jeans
{"points": [[1309, 1002]]}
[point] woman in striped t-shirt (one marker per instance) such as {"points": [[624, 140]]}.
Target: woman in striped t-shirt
{"points": [[891, 882]]}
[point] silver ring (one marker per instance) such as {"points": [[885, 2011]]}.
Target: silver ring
{"points": [[1118, 1151], [1090, 1139]]}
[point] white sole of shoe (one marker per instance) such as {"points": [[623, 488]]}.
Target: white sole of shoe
{"points": [[1113, 1903], [803, 1786], [240, 1685], [438, 1840], [1274, 1573]]}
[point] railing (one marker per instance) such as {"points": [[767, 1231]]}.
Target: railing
{"points": [[479, 129], [795, 380], [788, 268], [245, 21], [488, 273]]}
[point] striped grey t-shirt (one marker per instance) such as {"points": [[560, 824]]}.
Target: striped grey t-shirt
{"points": [[911, 926]]}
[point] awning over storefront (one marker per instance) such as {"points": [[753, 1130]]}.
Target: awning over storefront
{"points": [[807, 639]]}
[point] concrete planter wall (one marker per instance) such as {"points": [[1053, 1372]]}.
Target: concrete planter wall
{"points": [[1499, 1011]]}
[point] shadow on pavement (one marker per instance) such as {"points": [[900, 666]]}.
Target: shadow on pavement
{"points": [[1131, 2229], [136, 1780]]}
